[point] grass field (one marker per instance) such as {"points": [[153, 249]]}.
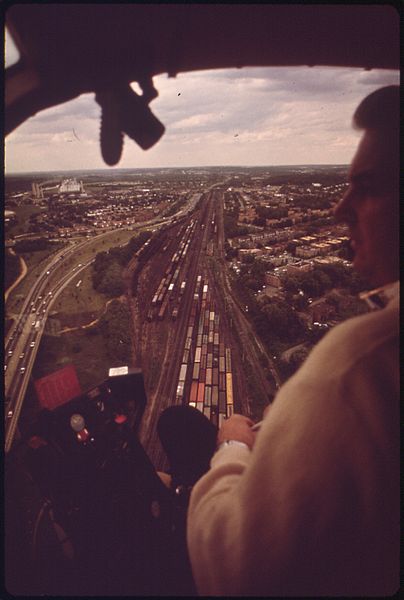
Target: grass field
{"points": [[74, 302], [77, 306], [39, 257]]}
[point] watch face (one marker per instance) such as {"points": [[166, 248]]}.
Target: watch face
{"points": [[77, 422]]}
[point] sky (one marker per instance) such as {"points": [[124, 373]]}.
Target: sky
{"points": [[248, 117]]}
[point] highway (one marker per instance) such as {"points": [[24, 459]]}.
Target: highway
{"points": [[23, 342]]}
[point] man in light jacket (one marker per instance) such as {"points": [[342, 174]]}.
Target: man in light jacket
{"points": [[309, 504]]}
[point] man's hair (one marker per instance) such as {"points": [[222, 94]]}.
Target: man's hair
{"points": [[379, 111]]}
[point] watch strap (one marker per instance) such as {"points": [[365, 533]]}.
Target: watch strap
{"points": [[228, 443]]}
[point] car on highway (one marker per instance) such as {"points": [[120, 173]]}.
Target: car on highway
{"points": [[22, 370], [32, 344], [22, 355], [10, 353]]}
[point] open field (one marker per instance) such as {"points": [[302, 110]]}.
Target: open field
{"points": [[74, 302], [39, 257]]}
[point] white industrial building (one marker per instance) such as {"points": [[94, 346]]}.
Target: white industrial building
{"points": [[69, 186]]}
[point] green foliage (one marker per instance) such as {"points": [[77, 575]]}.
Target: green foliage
{"points": [[231, 228], [127, 252], [115, 329], [291, 247], [259, 222], [273, 212], [230, 252], [175, 207], [282, 321], [258, 268], [357, 283], [291, 283], [311, 201], [111, 283], [32, 245], [314, 283], [107, 268], [252, 273]]}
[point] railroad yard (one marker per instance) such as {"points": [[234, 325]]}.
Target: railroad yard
{"points": [[183, 338]]}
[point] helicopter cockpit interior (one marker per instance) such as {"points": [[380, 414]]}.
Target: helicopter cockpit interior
{"points": [[89, 516]]}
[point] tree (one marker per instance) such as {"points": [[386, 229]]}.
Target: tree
{"points": [[115, 328], [315, 283], [248, 259], [338, 273], [111, 282], [259, 221], [291, 283], [252, 283], [283, 321], [291, 247], [258, 268], [357, 283]]}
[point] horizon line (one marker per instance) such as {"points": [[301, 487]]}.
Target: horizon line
{"points": [[114, 169]]}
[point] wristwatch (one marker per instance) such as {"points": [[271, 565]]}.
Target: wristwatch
{"points": [[228, 443]]}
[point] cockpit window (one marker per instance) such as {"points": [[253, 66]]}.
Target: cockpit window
{"points": [[214, 253]]}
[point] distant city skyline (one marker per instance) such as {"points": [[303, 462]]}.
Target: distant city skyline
{"points": [[246, 117]]}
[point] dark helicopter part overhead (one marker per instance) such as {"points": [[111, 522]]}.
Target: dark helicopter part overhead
{"points": [[124, 111], [70, 49]]}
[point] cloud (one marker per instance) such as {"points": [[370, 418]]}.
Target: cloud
{"points": [[274, 115]]}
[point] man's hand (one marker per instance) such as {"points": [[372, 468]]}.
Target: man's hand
{"points": [[237, 428]]}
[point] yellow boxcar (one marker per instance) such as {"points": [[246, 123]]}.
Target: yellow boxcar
{"points": [[229, 388]]}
